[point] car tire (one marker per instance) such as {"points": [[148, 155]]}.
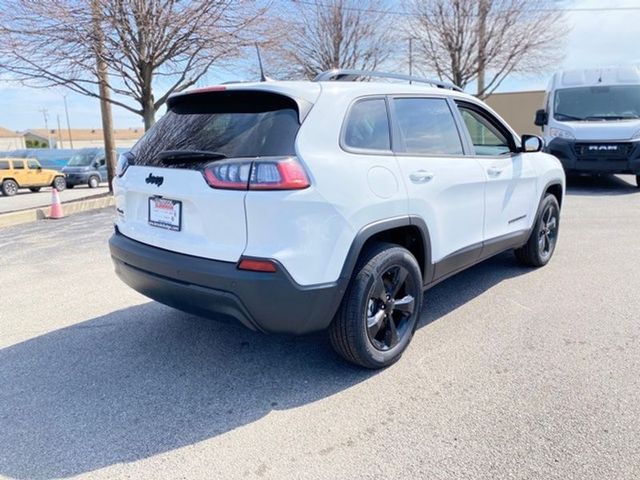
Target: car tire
{"points": [[59, 183], [70, 185], [9, 188], [93, 181], [35, 189], [544, 237], [369, 330], [638, 180]]}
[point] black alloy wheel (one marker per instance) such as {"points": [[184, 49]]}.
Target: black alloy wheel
{"points": [[390, 306], [548, 231], [380, 309]]}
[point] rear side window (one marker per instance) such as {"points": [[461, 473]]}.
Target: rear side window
{"points": [[18, 164], [367, 125], [233, 124], [427, 126], [4, 165]]}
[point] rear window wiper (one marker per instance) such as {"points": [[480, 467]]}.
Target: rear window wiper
{"points": [[183, 156]]}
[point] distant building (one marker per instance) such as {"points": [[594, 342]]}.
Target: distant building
{"points": [[82, 137], [518, 109], [10, 140]]}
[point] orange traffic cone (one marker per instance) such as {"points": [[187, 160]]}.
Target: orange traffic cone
{"points": [[56, 207]]}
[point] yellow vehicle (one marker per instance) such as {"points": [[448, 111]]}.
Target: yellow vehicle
{"points": [[18, 173]]}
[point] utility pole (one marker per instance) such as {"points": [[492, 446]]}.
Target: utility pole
{"points": [[59, 133], [46, 125], [66, 112], [105, 94], [483, 11]]}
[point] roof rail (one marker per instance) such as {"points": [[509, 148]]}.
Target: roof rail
{"points": [[351, 75]]}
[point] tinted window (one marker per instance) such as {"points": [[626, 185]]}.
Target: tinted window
{"points": [[18, 164], [234, 124], [486, 138], [427, 126], [368, 125], [4, 165], [33, 164]]}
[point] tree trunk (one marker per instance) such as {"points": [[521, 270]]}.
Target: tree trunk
{"points": [[147, 101], [482, 30], [149, 115]]}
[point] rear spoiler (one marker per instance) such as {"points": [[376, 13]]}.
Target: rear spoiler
{"points": [[218, 98]]}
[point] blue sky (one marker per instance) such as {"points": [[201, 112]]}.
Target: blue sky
{"points": [[595, 39]]}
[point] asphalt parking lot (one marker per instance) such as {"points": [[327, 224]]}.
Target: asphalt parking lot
{"points": [[26, 199], [513, 373]]}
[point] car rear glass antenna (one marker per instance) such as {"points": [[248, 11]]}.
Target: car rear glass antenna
{"points": [[263, 77]]}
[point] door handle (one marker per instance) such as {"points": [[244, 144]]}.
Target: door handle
{"points": [[421, 176], [494, 171]]}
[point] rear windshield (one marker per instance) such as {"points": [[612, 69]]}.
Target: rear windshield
{"points": [[233, 124]]}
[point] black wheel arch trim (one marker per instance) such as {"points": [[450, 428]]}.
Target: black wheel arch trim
{"points": [[369, 231]]}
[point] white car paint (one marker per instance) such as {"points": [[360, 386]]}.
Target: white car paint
{"points": [[310, 231]]}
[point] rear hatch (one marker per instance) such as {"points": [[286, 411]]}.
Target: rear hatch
{"points": [[168, 196]]}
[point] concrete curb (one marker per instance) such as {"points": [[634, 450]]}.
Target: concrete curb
{"points": [[69, 208]]}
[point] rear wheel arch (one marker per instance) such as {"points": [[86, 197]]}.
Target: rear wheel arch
{"points": [[11, 178], [410, 232]]}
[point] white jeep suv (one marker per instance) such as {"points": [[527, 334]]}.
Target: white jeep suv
{"points": [[301, 206]]}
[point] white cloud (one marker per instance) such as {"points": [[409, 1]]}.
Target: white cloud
{"points": [[596, 39]]}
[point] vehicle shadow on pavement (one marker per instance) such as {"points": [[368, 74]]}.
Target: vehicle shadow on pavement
{"points": [[588, 185], [149, 379], [145, 380]]}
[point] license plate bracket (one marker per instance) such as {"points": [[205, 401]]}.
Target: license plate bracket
{"points": [[165, 213]]}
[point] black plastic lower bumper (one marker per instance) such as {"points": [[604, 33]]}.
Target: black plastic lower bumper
{"points": [[270, 302], [596, 157]]}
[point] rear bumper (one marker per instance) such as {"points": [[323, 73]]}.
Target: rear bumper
{"points": [[269, 302], [576, 156]]}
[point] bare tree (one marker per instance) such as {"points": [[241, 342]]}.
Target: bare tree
{"points": [[485, 40], [325, 34], [148, 45]]}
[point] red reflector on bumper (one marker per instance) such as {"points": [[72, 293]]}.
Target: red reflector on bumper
{"points": [[257, 265]]}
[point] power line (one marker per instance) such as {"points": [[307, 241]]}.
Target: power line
{"points": [[408, 14]]}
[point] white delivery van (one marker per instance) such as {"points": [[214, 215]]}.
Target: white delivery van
{"points": [[591, 120]]}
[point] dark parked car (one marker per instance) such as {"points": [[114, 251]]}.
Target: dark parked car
{"points": [[87, 166]]}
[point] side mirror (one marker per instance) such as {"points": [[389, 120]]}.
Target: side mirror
{"points": [[542, 118], [39, 167], [531, 143]]}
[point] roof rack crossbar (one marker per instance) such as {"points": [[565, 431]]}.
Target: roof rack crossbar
{"points": [[351, 75]]}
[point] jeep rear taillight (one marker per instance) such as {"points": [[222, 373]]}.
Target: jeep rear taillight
{"points": [[273, 173]]}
